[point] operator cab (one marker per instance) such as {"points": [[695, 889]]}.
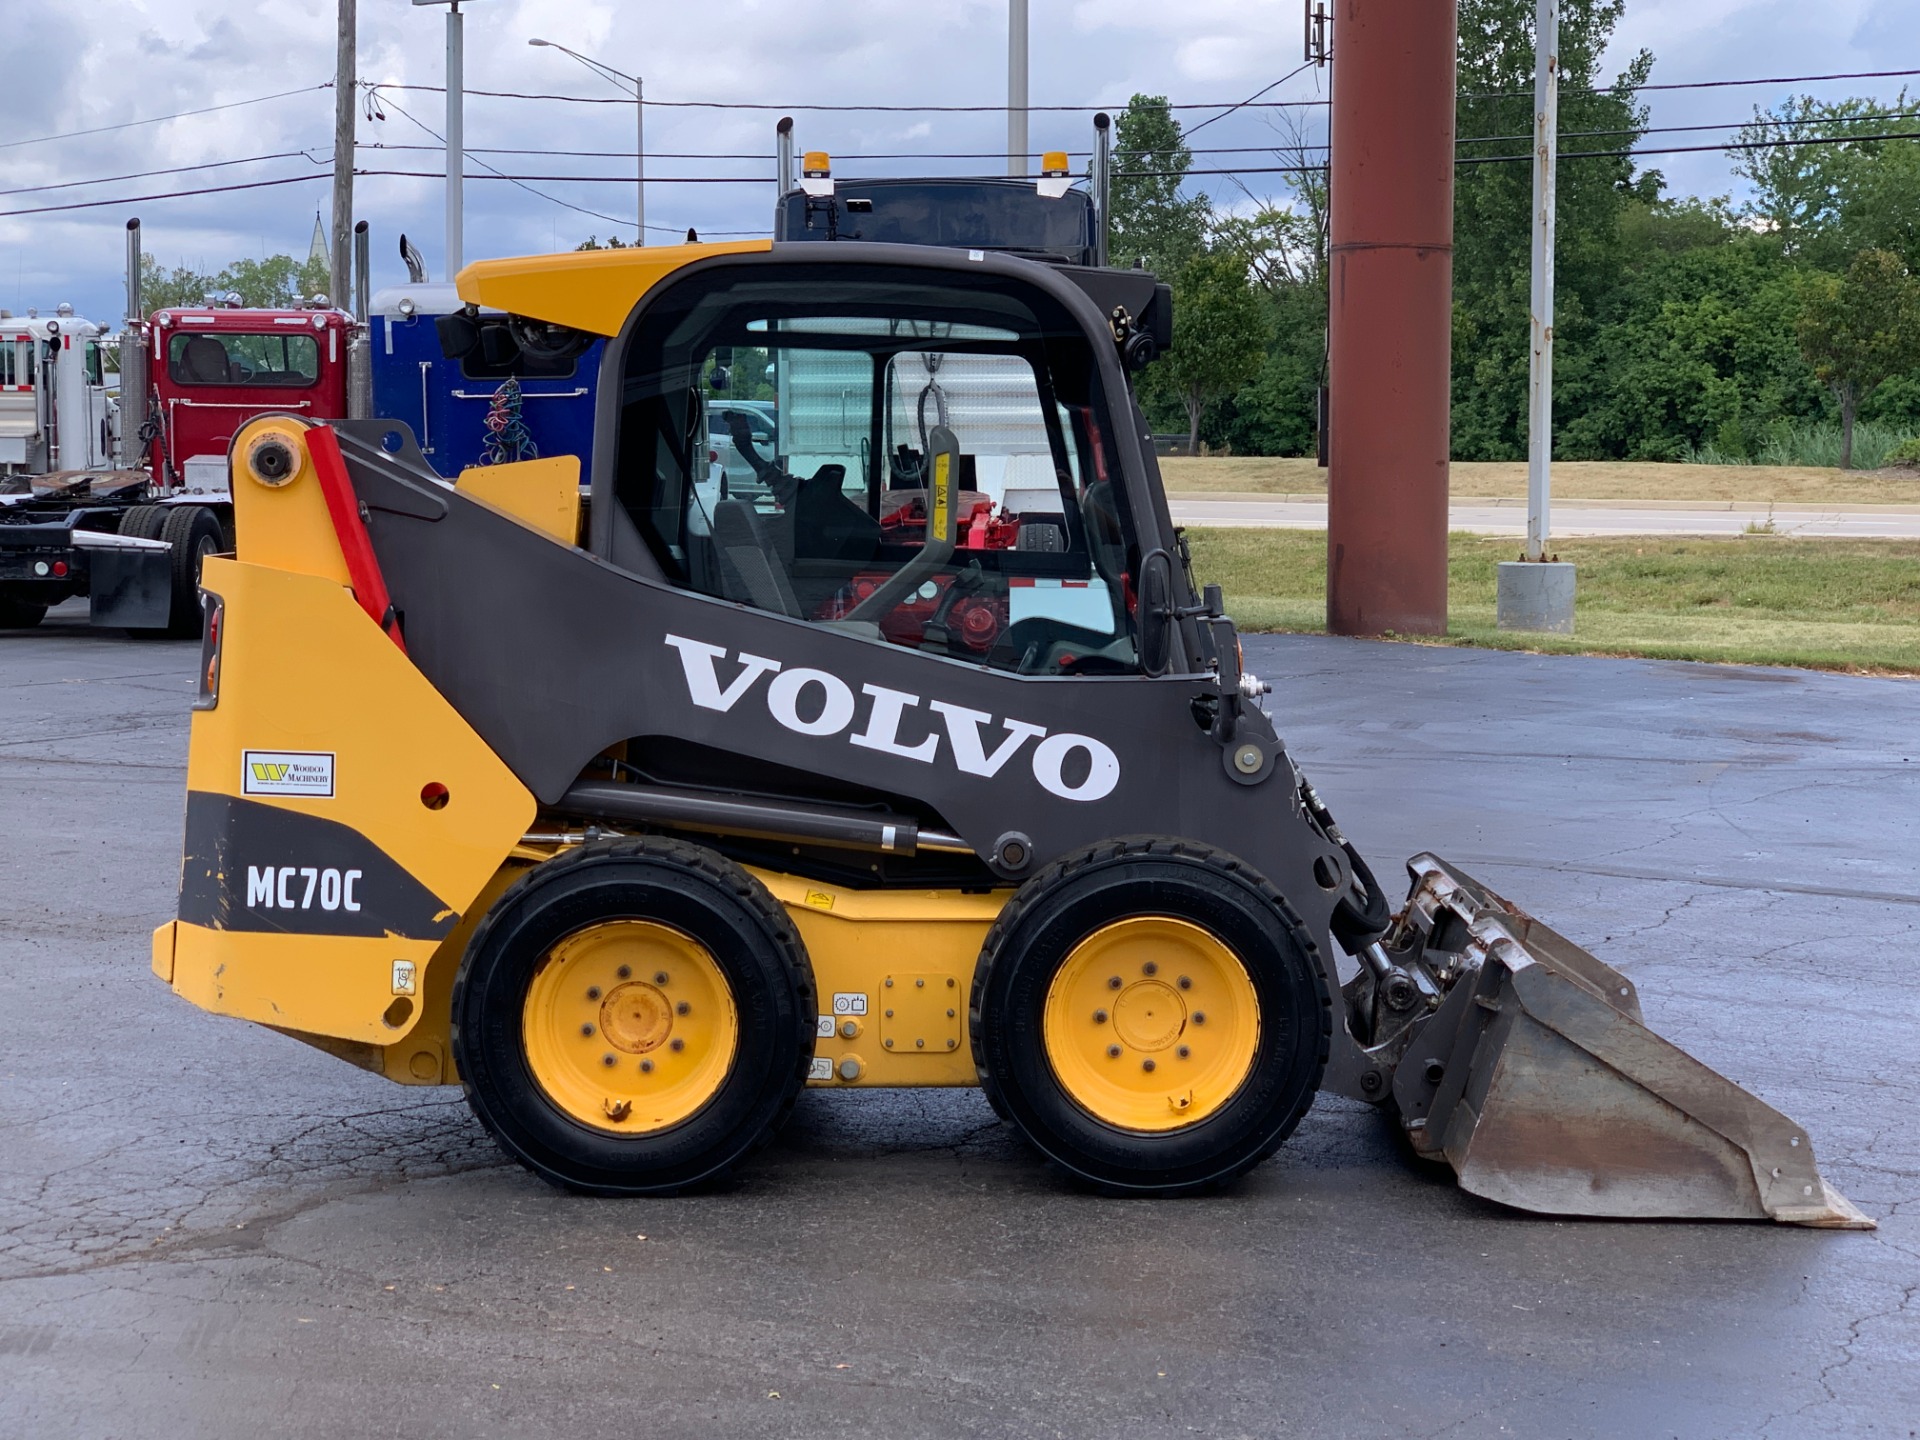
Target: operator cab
{"points": [[842, 392]]}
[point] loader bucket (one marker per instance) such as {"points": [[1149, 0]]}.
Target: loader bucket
{"points": [[1538, 1082]]}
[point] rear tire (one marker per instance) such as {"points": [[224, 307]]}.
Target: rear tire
{"points": [[1221, 1018], [19, 615], [194, 533], [143, 522], [633, 1017]]}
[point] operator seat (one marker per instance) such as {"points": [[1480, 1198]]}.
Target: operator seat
{"points": [[827, 525], [750, 568], [203, 361]]}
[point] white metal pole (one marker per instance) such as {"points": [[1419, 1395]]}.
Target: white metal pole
{"points": [[1546, 144], [640, 153], [1016, 87], [456, 140]]}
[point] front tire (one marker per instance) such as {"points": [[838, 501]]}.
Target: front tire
{"points": [[633, 1017], [1151, 1016]]}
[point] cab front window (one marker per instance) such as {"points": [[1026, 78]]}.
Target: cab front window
{"points": [[286, 360]]}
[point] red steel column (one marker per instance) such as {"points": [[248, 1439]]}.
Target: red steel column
{"points": [[1390, 316]]}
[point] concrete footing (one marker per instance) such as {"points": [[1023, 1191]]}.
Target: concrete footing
{"points": [[1535, 595]]}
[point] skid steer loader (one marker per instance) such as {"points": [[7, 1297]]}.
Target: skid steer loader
{"points": [[914, 759]]}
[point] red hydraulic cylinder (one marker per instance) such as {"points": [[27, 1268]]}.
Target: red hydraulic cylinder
{"points": [[1390, 321]]}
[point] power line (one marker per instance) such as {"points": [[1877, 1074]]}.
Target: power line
{"points": [[165, 195], [551, 199], [1564, 155], [161, 119], [856, 158], [1708, 84], [171, 170], [1221, 105], [1684, 129], [1249, 100], [849, 109]]}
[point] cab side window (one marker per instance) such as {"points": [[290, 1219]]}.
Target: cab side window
{"points": [[808, 499]]}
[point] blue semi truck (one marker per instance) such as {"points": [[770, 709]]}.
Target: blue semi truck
{"points": [[504, 400]]}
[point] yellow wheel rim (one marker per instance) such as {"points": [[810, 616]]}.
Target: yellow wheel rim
{"points": [[1151, 1024], [629, 1026]]}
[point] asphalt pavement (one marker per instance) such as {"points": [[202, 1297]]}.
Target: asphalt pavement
{"points": [[1572, 518], [209, 1230]]}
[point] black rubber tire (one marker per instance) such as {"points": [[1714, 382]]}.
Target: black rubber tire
{"points": [[143, 522], [194, 533], [19, 615], [696, 891], [1077, 895]]}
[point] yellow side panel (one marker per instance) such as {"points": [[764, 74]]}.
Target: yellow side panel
{"points": [[163, 951], [543, 495], [926, 942], [283, 526], [591, 290], [304, 670], [340, 985]]}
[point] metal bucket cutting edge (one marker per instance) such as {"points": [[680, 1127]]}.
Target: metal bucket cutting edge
{"points": [[1539, 1083]]}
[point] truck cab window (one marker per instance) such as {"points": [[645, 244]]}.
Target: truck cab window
{"points": [[807, 499], [280, 360]]}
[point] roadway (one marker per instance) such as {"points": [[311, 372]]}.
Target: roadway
{"points": [[1571, 518], [209, 1229]]}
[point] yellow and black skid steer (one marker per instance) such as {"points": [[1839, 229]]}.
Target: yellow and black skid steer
{"points": [[867, 729]]}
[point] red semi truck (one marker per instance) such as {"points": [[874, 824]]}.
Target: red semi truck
{"points": [[131, 539]]}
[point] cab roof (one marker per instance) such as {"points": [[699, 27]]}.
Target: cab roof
{"points": [[201, 317]]}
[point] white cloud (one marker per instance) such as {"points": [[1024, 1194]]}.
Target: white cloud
{"points": [[108, 61]]}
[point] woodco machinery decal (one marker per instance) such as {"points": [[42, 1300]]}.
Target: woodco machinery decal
{"points": [[286, 772]]}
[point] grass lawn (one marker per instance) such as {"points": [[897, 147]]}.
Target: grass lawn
{"points": [[1572, 480], [1824, 604]]}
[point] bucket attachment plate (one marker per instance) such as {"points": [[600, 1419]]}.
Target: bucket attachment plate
{"points": [[1536, 1079]]}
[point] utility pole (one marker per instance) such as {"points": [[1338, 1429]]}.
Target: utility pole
{"points": [[1537, 593], [1017, 87], [345, 100]]}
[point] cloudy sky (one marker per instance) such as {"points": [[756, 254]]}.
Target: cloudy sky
{"points": [[100, 63]]}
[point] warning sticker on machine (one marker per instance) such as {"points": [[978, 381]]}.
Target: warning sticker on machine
{"points": [[823, 1029], [849, 1003], [820, 1069], [286, 772]]}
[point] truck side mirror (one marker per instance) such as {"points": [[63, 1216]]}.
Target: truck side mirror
{"points": [[1154, 613], [458, 333]]}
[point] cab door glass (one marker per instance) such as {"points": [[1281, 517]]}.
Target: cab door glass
{"points": [[805, 492]]}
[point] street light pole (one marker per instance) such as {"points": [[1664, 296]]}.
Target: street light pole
{"points": [[639, 127], [1537, 592], [455, 131], [456, 139], [1017, 87]]}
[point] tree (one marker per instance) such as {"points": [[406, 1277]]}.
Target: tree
{"points": [[1283, 243], [1828, 201], [1493, 210], [1860, 329], [1151, 221], [592, 242], [278, 282], [1219, 334]]}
